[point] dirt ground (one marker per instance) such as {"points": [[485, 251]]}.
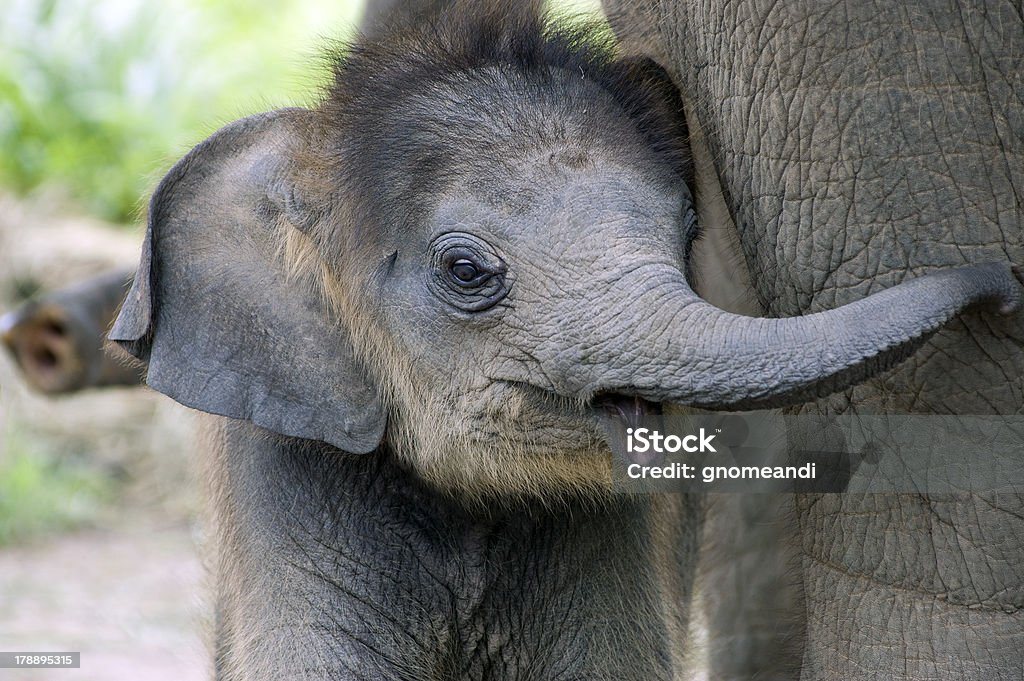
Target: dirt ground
{"points": [[126, 590], [129, 599]]}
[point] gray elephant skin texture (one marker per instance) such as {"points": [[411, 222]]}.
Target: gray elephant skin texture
{"points": [[413, 309], [857, 145]]}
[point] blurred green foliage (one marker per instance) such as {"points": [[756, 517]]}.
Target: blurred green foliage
{"points": [[42, 494], [99, 97]]}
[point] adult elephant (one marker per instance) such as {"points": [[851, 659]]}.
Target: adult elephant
{"points": [[856, 145], [56, 340]]}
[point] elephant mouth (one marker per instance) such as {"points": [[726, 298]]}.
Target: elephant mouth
{"points": [[608, 415], [630, 409], [619, 414]]}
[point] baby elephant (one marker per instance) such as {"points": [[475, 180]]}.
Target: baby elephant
{"points": [[417, 303]]}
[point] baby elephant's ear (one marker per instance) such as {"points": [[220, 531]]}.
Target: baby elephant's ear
{"points": [[224, 330]]}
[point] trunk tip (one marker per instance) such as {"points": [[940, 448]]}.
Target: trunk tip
{"points": [[1015, 292]]}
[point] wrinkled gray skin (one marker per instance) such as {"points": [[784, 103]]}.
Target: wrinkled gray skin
{"points": [[57, 339], [350, 541], [856, 145]]}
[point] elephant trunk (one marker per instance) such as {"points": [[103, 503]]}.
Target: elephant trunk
{"points": [[714, 359]]}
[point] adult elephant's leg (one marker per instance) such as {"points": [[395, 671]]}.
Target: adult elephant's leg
{"points": [[913, 586], [751, 598], [859, 144]]}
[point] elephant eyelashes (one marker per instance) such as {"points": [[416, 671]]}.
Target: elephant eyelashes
{"points": [[467, 273]]}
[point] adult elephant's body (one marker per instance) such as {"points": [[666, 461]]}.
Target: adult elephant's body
{"points": [[858, 144]]}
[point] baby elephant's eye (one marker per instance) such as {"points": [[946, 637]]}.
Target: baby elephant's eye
{"points": [[465, 271]]}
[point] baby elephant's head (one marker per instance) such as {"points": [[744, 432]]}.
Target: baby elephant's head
{"points": [[473, 250]]}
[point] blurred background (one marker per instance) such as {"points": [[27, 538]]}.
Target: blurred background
{"points": [[98, 506]]}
